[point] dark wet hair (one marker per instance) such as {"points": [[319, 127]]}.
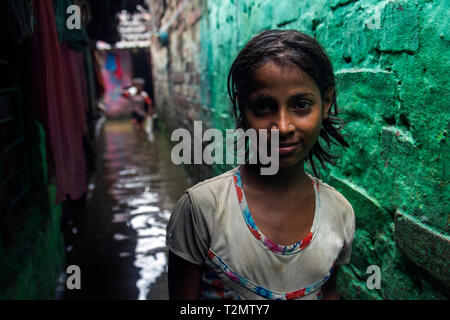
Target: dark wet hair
{"points": [[294, 48], [138, 81]]}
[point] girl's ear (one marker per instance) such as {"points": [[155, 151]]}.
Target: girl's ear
{"points": [[241, 106], [327, 102]]}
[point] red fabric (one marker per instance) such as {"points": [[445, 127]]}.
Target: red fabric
{"points": [[119, 71], [59, 95]]}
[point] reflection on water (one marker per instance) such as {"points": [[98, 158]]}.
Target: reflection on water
{"points": [[128, 207]]}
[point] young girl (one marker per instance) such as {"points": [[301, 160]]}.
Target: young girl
{"points": [[243, 235]]}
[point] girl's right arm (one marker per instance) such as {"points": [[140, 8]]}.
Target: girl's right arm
{"points": [[187, 243], [184, 279]]}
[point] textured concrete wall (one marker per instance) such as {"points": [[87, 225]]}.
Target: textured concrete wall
{"points": [[179, 93], [391, 61]]}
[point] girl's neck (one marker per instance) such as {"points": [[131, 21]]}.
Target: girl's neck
{"points": [[285, 179]]}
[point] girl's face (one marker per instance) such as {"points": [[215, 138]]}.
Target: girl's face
{"points": [[285, 98]]}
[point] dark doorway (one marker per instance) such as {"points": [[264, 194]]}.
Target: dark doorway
{"points": [[142, 67]]}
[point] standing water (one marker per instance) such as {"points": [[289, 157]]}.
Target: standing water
{"points": [[116, 235]]}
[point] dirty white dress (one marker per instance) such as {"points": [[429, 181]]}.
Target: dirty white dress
{"points": [[212, 226]]}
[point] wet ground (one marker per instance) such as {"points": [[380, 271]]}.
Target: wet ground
{"points": [[116, 235]]}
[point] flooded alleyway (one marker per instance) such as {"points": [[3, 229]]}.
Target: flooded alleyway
{"points": [[116, 235]]}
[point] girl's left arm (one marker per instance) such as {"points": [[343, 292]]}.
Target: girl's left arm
{"points": [[329, 289], [183, 278]]}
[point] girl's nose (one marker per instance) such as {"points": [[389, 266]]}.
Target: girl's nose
{"points": [[283, 123]]}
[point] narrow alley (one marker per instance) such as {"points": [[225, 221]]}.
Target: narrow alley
{"points": [[111, 109], [124, 214]]}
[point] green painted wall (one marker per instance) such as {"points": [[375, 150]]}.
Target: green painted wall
{"points": [[391, 60], [38, 258], [31, 265]]}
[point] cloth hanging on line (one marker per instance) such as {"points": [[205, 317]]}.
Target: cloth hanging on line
{"points": [[119, 71], [77, 39], [110, 64], [57, 93]]}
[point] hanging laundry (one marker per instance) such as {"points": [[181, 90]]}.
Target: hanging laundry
{"points": [[57, 95], [111, 64], [77, 39], [119, 71]]}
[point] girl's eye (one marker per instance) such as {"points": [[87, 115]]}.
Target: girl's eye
{"points": [[263, 106], [302, 105]]}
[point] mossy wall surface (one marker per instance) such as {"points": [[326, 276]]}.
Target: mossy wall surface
{"points": [[31, 265], [36, 270], [391, 61]]}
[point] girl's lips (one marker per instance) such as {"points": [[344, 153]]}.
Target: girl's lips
{"points": [[288, 148]]}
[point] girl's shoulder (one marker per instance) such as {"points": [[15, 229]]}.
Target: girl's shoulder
{"points": [[331, 197], [210, 198], [210, 192], [336, 209], [213, 183]]}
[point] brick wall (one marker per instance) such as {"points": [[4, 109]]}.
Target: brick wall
{"points": [[177, 70], [391, 63]]}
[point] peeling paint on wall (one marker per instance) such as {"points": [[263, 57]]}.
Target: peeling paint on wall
{"points": [[392, 77]]}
